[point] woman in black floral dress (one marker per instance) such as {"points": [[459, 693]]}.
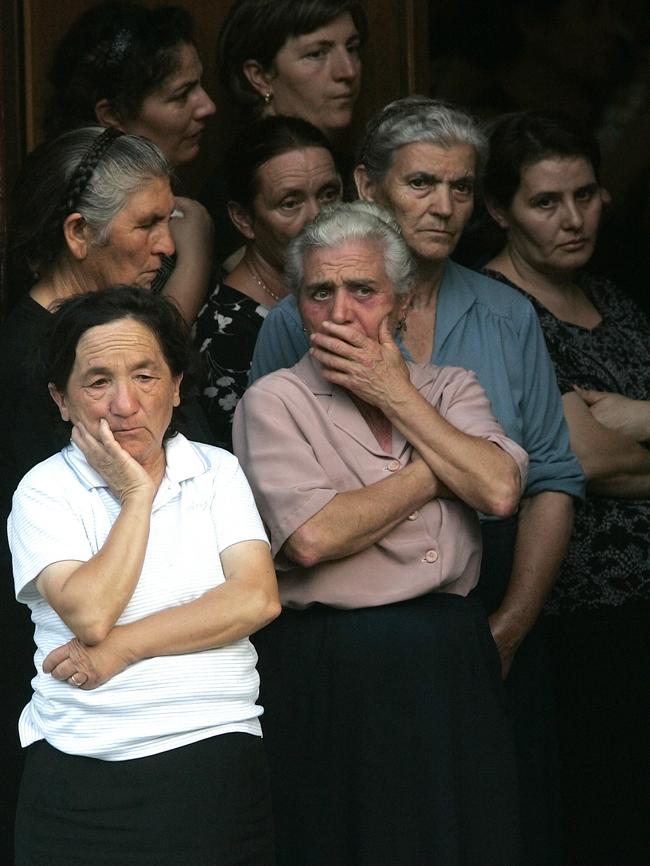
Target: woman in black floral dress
{"points": [[542, 189], [280, 173]]}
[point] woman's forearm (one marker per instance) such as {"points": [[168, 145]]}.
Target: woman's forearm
{"points": [[615, 464], [244, 603], [544, 530], [90, 596], [357, 519], [479, 472]]}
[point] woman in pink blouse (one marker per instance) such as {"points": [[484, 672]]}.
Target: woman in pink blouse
{"points": [[384, 722]]}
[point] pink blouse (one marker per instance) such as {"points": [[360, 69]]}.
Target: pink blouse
{"points": [[302, 440]]}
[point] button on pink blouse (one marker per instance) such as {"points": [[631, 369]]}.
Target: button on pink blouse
{"points": [[301, 441]]}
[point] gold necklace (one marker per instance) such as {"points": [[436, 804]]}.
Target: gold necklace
{"points": [[260, 282]]}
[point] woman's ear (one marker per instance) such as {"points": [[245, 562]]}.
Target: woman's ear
{"points": [[59, 399], [176, 401], [242, 220], [366, 188], [107, 116], [497, 213], [258, 78], [77, 235]]}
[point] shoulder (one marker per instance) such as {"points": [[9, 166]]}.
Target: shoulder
{"points": [[490, 295], [611, 300], [285, 381], [187, 459], [51, 478], [286, 312]]}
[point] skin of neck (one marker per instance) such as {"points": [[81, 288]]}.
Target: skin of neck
{"points": [[427, 283], [536, 282], [66, 278], [266, 271]]}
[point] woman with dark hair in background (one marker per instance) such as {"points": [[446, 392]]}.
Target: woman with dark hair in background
{"points": [[145, 566], [542, 188], [292, 57], [136, 69], [279, 174]]}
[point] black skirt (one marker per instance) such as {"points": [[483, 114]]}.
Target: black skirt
{"points": [[206, 804], [387, 736]]}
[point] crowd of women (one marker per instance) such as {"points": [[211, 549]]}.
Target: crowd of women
{"points": [[437, 559]]}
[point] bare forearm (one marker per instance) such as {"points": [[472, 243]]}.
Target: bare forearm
{"points": [[479, 472], [357, 519], [92, 596], [545, 525], [193, 233], [221, 616], [615, 464], [187, 287]]}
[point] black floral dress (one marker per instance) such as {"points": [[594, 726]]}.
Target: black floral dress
{"points": [[225, 332], [608, 560]]}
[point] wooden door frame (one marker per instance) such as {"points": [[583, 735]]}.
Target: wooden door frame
{"points": [[12, 115]]}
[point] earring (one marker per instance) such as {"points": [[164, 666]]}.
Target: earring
{"points": [[268, 96], [401, 326]]}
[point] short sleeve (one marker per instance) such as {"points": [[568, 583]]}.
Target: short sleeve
{"points": [[281, 342], [289, 483], [465, 405], [234, 511], [43, 528]]}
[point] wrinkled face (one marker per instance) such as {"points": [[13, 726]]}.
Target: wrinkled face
{"points": [[552, 222], [430, 190], [348, 285], [292, 188], [173, 115], [317, 76], [120, 374], [139, 237]]}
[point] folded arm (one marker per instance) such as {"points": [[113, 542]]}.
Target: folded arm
{"points": [[477, 471], [356, 519], [615, 464], [244, 603]]}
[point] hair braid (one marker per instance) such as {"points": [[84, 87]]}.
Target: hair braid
{"points": [[77, 185]]}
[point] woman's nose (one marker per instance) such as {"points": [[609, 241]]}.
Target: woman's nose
{"points": [[163, 243], [204, 105], [572, 215], [340, 312], [124, 401], [345, 67], [441, 203]]}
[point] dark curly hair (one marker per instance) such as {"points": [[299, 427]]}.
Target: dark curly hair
{"points": [[119, 51]]}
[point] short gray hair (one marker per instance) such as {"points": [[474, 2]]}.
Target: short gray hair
{"points": [[86, 171], [416, 119], [354, 221]]}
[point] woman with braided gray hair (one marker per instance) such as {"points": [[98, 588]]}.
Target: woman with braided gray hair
{"points": [[92, 208]]}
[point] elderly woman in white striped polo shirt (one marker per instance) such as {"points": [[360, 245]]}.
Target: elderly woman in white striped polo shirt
{"points": [[145, 565]]}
